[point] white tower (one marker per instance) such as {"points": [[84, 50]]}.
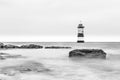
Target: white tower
{"points": [[80, 33]]}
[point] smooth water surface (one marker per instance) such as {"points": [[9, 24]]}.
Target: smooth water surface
{"points": [[64, 68]]}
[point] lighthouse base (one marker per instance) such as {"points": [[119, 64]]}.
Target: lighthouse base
{"points": [[82, 41]]}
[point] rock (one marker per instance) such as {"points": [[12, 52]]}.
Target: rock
{"points": [[31, 66], [31, 46], [26, 67], [2, 58], [1, 45], [10, 46], [57, 47], [7, 46], [88, 53]]}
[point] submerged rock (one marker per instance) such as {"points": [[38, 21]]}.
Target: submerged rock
{"points": [[29, 66], [4, 56], [88, 53]]}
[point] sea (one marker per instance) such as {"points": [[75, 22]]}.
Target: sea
{"points": [[64, 68]]}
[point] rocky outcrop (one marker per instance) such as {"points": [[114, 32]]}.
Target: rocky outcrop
{"points": [[31, 46], [10, 46], [88, 53], [7, 46], [1, 45]]}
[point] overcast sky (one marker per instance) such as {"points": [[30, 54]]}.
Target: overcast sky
{"points": [[57, 20]]}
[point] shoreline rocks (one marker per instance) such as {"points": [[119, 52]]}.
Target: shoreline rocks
{"points": [[88, 53], [29, 46]]}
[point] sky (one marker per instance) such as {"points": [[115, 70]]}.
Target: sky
{"points": [[57, 20]]}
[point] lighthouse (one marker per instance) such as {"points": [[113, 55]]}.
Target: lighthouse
{"points": [[80, 33]]}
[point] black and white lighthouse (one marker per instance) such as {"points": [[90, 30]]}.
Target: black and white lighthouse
{"points": [[80, 33]]}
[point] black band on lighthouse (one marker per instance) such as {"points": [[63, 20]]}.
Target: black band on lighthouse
{"points": [[80, 35]]}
